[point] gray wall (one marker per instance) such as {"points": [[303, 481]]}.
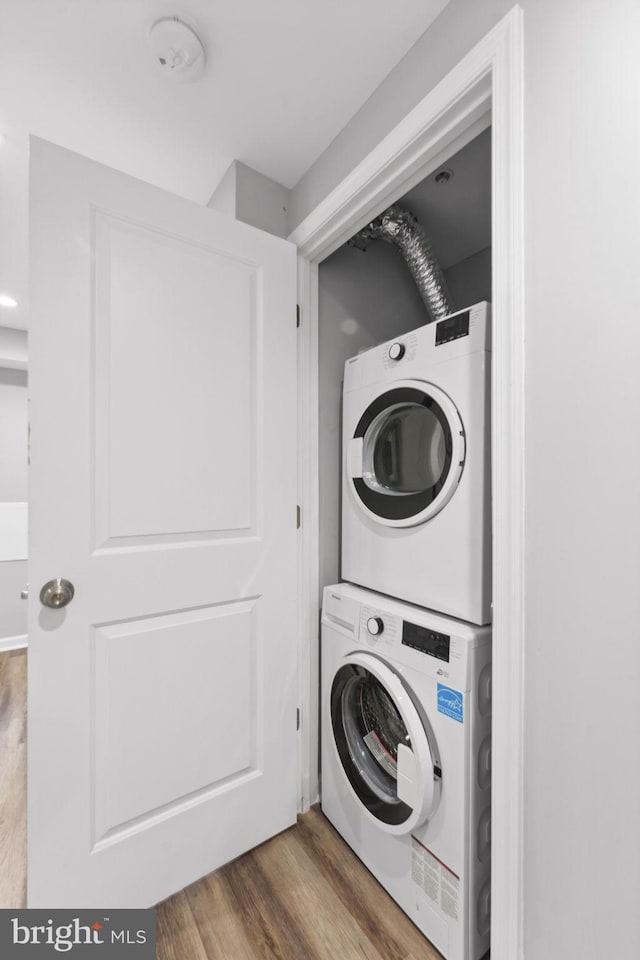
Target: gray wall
{"points": [[582, 142], [13, 348], [13, 610], [469, 281], [13, 435], [13, 487]]}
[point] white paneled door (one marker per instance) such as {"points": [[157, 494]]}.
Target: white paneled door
{"points": [[162, 698]]}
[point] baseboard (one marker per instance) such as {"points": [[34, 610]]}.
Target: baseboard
{"points": [[13, 643]]}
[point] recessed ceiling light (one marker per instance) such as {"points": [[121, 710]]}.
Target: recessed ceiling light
{"points": [[443, 175], [7, 301]]}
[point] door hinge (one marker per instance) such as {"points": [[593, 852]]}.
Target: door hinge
{"points": [[297, 718], [298, 516], [298, 315]]}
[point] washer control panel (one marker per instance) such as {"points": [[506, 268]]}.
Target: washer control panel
{"points": [[377, 627], [427, 641], [382, 627], [410, 639]]}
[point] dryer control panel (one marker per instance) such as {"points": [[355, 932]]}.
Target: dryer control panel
{"points": [[412, 354], [452, 328]]}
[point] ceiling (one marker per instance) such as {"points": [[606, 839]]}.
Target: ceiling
{"points": [[282, 79], [456, 214]]}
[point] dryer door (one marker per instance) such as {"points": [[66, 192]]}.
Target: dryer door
{"points": [[386, 750], [406, 455]]}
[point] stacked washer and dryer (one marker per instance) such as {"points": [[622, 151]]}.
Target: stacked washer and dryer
{"points": [[406, 642]]}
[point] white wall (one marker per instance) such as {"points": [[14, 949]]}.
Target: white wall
{"points": [[583, 516], [582, 130]]}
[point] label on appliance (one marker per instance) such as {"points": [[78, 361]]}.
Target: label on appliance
{"points": [[435, 878], [383, 756], [450, 703]]}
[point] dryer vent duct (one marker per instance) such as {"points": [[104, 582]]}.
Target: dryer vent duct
{"points": [[399, 227]]}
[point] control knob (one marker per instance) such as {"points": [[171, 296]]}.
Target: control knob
{"points": [[375, 626], [396, 351]]}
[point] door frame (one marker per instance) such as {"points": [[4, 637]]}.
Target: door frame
{"points": [[485, 87]]}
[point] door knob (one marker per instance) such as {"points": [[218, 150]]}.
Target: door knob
{"points": [[57, 593]]}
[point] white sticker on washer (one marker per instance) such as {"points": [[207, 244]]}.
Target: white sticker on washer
{"points": [[449, 893], [382, 755], [433, 876]]}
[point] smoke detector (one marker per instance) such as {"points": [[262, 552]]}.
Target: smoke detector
{"points": [[177, 49]]}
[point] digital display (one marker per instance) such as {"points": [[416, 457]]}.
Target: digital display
{"points": [[427, 641], [452, 328]]}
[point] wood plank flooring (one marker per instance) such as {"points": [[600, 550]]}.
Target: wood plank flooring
{"points": [[13, 779], [303, 895]]}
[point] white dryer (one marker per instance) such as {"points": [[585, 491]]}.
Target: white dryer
{"points": [[406, 758], [416, 496]]}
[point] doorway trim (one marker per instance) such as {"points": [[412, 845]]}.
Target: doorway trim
{"points": [[486, 86]]}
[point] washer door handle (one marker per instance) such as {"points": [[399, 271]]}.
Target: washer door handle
{"points": [[407, 777]]}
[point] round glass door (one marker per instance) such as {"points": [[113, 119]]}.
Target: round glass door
{"points": [[412, 454], [373, 719]]}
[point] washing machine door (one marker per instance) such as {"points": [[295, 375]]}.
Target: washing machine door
{"points": [[386, 749], [406, 454]]}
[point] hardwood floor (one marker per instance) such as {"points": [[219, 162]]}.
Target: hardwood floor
{"points": [[13, 778], [303, 895]]}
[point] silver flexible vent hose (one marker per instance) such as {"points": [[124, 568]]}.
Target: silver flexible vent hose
{"points": [[399, 227]]}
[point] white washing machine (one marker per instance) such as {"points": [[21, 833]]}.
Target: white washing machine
{"points": [[416, 495], [406, 758]]}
